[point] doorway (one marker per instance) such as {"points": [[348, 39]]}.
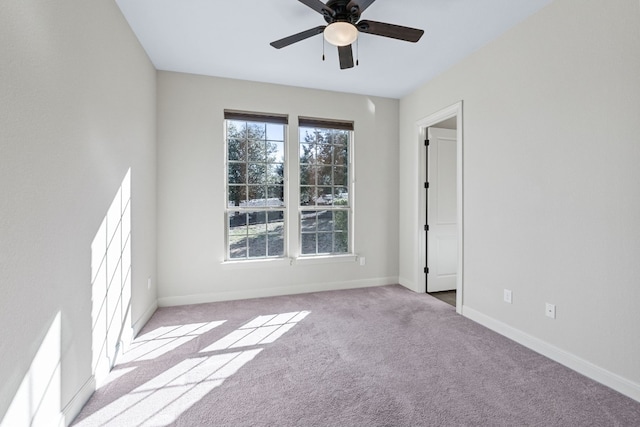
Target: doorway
{"points": [[441, 205]]}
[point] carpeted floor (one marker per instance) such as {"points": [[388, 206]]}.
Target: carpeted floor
{"points": [[368, 357]]}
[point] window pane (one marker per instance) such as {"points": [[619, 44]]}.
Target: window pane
{"points": [[324, 196], [237, 149], [341, 155], [325, 221], [307, 154], [323, 136], [340, 176], [256, 151], [258, 245], [275, 195], [275, 244], [341, 220], [257, 173], [257, 196], [237, 173], [308, 222], [236, 129], [257, 222], [237, 195], [324, 175], [340, 196], [341, 137], [308, 244], [256, 130], [325, 243], [238, 248], [275, 222], [307, 135], [275, 152], [275, 173], [275, 236], [257, 234], [324, 155], [307, 175], [341, 242], [237, 224], [237, 234], [307, 196], [275, 132]]}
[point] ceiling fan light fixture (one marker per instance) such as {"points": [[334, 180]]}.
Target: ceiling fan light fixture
{"points": [[340, 33]]}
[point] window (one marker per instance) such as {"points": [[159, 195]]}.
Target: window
{"points": [[325, 204], [255, 213]]}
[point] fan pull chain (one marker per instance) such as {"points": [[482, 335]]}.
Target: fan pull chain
{"points": [[357, 51], [323, 48]]}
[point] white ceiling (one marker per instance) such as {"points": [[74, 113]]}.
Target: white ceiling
{"points": [[231, 39]]}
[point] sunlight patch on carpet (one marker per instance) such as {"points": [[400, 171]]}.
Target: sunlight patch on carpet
{"points": [[162, 340], [261, 330], [161, 400]]}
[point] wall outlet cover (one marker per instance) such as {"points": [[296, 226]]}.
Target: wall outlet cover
{"points": [[508, 297], [550, 310]]}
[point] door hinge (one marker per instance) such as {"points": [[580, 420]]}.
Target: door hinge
{"points": [[426, 228], [426, 270], [426, 142], [426, 185]]}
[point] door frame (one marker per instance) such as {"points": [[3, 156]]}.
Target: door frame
{"points": [[454, 110]]}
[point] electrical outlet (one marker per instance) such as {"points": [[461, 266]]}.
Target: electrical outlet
{"points": [[550, 310], [508, 298], [363, 261]]}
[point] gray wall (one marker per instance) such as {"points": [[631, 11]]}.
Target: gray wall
{"points": [[551, 196], [191, 191], [77, 110]]}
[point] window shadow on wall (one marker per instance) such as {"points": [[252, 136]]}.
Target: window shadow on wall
{"points": [[111, 283]]}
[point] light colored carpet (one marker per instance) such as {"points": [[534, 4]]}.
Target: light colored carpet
{"points": [[369, 357]]}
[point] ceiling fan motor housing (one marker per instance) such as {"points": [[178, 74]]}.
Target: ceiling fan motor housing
{"points": [[341, 13]]}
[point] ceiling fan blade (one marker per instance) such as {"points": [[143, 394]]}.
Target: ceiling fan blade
{"points": [[390, 30], [346, 57], [362, 4], [279, 44], [319, 7]]}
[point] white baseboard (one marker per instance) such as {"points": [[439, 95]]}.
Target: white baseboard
{"points": [[272, 292], [584, 367], [73, 408], [142, 320]]}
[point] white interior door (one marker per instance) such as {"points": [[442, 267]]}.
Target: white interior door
{"points": [[442, 237]]}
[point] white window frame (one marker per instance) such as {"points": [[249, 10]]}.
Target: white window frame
{"points": [[230, 115], [312, 123]]}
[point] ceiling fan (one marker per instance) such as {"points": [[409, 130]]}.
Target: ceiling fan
{"points": [[343, 19]]}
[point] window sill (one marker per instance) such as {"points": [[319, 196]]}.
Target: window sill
{"points": [[284, 262], [326, 259], [256, 263]]}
